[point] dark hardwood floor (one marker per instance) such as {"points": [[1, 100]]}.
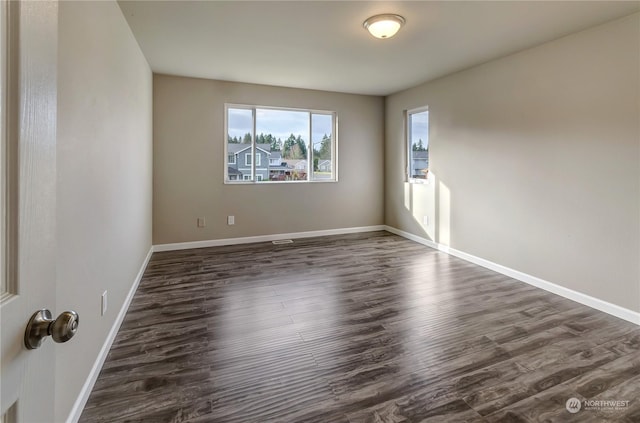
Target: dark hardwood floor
{"points": [[357, 328]]}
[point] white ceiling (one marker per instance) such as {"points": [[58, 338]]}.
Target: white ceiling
{"points": [[322, 44]]}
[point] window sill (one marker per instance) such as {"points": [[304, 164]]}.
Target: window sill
{"points": [[419, 181], [278, 182]]}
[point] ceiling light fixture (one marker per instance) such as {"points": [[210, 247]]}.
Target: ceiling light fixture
{"points": [[384, 26]]}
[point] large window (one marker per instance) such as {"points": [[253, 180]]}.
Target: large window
{"points": [[288, 145], [418, 144]]}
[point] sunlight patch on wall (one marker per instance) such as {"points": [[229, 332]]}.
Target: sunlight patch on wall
{"points": [[407, 196], [421, 202], [444, 214]]}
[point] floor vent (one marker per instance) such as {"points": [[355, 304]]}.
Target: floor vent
{"points": [[282, 241]]}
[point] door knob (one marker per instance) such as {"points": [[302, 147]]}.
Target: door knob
{"points": [[42, 325]]}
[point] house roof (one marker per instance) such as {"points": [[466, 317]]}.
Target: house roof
{"points": [[233, 148], [233, 171], [420, 154], [275, 155], [298, 164]]}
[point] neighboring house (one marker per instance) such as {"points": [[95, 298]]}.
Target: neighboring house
{"points": [[280, 172], [299, 169], [419, 164], [299, 165], [275, 159], [239, 159], [234, 174], [269, 164], [324, 166]]}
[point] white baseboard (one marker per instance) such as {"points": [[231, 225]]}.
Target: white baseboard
{"points": [[579, 297], [81, 401], [412, 237], [264, 238]]}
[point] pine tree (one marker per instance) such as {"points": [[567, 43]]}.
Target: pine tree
{"points": [[419, 146], [302, 147], [325, 148], [287, 149]]}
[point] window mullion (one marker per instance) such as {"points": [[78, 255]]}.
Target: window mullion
{"points": [[334, 146], [408, 144], [310, 148], [253, 146]]}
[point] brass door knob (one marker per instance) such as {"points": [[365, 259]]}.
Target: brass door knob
{"points": [[42, 325]]}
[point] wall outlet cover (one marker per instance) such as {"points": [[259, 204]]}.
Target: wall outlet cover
{"points": [[103, 304]]}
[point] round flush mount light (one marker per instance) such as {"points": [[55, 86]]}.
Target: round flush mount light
{"points": [[384, 26]]}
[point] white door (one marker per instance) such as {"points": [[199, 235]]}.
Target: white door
{"points": [[28, 74]]}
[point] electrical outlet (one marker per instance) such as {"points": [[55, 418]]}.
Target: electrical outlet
{"points": [[103, 304], [201, 222], [231, 220]]}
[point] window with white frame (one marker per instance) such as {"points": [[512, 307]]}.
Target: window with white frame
{"points": [[231, 159], [293, 144], [417, 144]]}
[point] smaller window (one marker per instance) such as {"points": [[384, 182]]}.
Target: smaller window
{"points": [[247, 160], [257, 158], [259, 177], [246, 177], [418, 144], [231, 159]]}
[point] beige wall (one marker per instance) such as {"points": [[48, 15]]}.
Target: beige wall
{"points": [[188, 165], [104, 159], [536, 162]]}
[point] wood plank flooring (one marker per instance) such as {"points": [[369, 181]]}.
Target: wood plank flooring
{"points": [[357, 328]]}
